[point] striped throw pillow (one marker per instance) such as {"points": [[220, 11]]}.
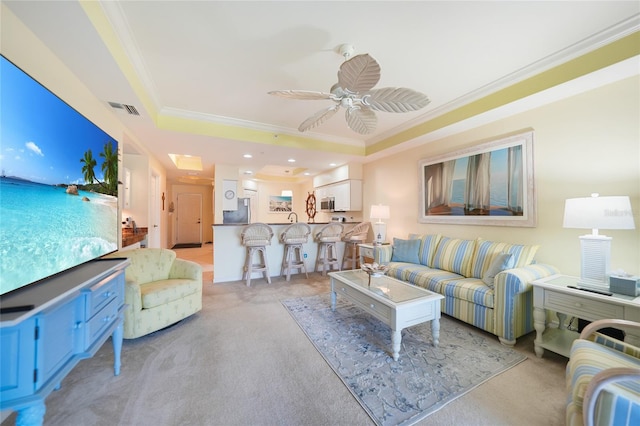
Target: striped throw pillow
{"points": [[487, 251], [454, 255]]}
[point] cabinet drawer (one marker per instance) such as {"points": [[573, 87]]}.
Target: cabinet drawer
{"points": [[367, 303], [102, 294], [101, 321], [366, 252], [581, 307]]}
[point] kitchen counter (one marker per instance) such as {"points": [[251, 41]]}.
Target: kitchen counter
{"points": [[229, 253], [284, 223], [129, 237]]}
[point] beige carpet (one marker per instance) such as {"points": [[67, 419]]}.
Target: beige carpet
{"points": [[244, 361]]}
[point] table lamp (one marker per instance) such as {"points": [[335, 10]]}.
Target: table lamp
{"points": [[595, 213], [379, 212]]}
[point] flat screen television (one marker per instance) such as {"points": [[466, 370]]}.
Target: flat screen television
{"points": [[58, 186]]}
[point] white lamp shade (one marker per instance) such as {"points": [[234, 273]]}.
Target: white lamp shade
{"points": [[380, 212], [598, 213]]}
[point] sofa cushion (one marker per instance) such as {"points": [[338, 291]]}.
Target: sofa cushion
{"points": [[159, 293], [454, 255], [470, 289], [420, 275], [428, 244], [405, 250], [487, 251], [500, 262]]}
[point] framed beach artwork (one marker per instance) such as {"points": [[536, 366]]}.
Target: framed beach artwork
{"points": [[488, 184], [280, 204]]}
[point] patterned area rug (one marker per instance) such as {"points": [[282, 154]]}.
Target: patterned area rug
{"points": [[357, 347]]}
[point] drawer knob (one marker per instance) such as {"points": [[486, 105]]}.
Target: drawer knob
{"points": [[372, 306], [78, 325], [106, 294]]}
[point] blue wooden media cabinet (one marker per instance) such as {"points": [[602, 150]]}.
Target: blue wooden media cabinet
{"points": [[72, 315]]}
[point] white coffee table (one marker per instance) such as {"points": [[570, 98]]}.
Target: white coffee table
{"points": [[396, 303]]}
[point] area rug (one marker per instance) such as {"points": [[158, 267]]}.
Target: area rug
{"points": [[425, 378]]}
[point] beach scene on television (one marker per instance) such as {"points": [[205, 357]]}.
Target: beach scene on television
{"points": [[58, 185]]}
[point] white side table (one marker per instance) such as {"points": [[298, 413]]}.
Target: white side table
{"points": [[552, 293], [366, 250]]}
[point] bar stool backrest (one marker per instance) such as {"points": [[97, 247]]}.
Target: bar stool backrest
{"points": [[296, 233], [257, 234], [357, 233], [330, 233]]}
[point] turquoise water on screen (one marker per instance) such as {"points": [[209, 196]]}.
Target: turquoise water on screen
{"points": [[44, 230]]}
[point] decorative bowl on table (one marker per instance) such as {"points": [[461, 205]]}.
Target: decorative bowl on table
{"points": [[374, 269]]}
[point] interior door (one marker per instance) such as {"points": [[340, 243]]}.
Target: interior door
{"points": [[189, 221], [253, 204], [153, 236]]}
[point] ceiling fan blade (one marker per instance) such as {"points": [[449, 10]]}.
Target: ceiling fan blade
{"points": [[359, 74], [361, 120], [301, 94], [395, 99], [318, 118]]}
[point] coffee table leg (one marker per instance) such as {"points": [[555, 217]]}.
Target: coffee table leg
{"points": [[435, 331], [333, 300], [396, 340]]}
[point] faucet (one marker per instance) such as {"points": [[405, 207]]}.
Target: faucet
{"points": [[295, 214]]}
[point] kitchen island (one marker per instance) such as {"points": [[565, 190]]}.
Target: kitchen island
{"points": [[229, 253]]}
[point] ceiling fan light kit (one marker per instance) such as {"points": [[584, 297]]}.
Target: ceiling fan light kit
{"points": [[354, 92]]}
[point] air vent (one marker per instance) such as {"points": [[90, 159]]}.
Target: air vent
{"points": [[130, 109]]}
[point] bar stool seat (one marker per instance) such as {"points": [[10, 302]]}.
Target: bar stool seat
{"points": [[327, 256], [356, 235], [256, 237], [293, 237]]}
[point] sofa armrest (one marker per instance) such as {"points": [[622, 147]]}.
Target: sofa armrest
{"points": [[513, 300], [384, 253], [182, 268]]}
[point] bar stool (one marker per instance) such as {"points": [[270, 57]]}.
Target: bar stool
{"points": [[327, 238], [293, 237], [256, 237], [356, 235]]}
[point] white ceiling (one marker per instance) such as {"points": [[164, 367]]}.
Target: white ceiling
{"points": [[214, 62]]}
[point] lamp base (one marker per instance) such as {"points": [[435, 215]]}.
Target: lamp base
{"points": [[380, 232], [595, 257]]}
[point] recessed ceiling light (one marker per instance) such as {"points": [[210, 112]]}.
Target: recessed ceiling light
{"points": [[291, 160], [248, 172], [248, 156], [332, 164], [307, 173]]}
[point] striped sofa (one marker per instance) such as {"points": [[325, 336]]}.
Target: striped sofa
{"points": [[603, 377], [486, 284]]}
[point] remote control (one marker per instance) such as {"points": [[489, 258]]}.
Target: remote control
{"points": [[605, 293], [11, 309]]}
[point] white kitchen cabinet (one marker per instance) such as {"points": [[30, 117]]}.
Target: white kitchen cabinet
{"points": [[348, 195]]}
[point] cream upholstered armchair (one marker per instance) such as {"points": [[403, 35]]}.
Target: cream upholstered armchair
{"points": [[603, 377], [160, 290]]}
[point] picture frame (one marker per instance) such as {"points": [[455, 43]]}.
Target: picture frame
{"points": [[280, 204], [488, 184]]}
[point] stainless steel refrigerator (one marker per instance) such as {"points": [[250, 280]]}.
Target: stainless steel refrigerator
{"points": [[240, 216]]}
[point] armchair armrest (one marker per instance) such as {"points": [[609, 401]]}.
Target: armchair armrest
{"points": [[185, 269], [604, 323], [599, 382]]}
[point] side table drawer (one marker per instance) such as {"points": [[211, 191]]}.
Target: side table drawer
{"points": [[366, 252], [582, 307]]}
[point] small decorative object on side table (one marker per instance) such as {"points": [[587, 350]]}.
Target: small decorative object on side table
{"points": [[561, 294]]}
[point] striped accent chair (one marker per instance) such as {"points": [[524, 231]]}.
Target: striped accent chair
{"points": [[484, 283], [603, 377]]}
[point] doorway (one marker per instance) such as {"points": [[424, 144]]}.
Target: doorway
{"points": [[189, 220]]}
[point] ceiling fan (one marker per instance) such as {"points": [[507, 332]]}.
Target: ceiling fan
{"points": [[354, 92]]}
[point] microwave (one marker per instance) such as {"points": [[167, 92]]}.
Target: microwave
{"points": [[327, 204]]}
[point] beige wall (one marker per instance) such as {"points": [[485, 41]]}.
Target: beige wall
{"points": [[584, 144]]}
